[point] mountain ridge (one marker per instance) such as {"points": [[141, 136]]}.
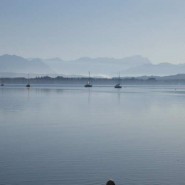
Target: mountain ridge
{"points": [[136, 65]]}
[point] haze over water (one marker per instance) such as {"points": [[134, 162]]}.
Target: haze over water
{"points": [[78, 136]]}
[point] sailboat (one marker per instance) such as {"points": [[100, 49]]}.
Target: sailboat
{"points": [[28, 84], [88, 84], [118, 85]]}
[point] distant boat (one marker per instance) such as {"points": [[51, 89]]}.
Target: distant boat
{"points": [[2, 84], [88, 84], [118, 85], [28, 84]]}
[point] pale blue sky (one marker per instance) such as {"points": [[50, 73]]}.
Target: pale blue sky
{"points": [[96, 28]]}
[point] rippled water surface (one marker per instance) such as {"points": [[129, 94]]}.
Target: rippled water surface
{"points": [[77, 136]]}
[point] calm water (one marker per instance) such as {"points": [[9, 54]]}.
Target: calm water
{"points": [[77, 136]]}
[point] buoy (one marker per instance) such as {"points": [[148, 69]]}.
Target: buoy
{"points": [[110, 182]]}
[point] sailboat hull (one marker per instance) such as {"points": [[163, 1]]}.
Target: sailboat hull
{"points": [[28, 85], [87, 85], [118, 86]]}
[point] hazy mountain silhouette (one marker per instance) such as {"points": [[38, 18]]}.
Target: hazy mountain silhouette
{"points": [[17, 64], [12, 65], [97, 66], [158, 69]]}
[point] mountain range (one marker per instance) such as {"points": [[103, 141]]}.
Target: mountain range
{"points": [[14, 66]]}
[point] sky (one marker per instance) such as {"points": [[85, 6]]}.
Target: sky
{"points": [[71, 29]]}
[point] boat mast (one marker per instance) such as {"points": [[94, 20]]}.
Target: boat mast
{"points": [[28, 79], [89, 78], [88, 84], [119, 80]]}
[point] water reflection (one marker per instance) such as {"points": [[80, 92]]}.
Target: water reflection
{"points": [[118, 95], [85, 136], [89, 95]]}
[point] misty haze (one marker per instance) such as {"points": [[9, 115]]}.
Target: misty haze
{"points": [[17, 66], [92, 92]]}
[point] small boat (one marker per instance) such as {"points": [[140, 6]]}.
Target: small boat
{"points": [[88, 84], [2, 84], [28, 84], [118, 85]]}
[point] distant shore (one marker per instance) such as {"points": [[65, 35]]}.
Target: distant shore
{"points": [[144, 80]]}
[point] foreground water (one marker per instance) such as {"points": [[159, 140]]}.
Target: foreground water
{"points": [[77, 136]]}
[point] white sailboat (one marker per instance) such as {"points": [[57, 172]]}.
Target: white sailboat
{"points": [[88, 84], [118, 85], [28, 84]]}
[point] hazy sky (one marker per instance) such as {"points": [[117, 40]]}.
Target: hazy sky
{"points": [[96, 28]]}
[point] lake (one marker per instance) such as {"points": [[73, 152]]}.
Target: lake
{"points": [[55, 135]]}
